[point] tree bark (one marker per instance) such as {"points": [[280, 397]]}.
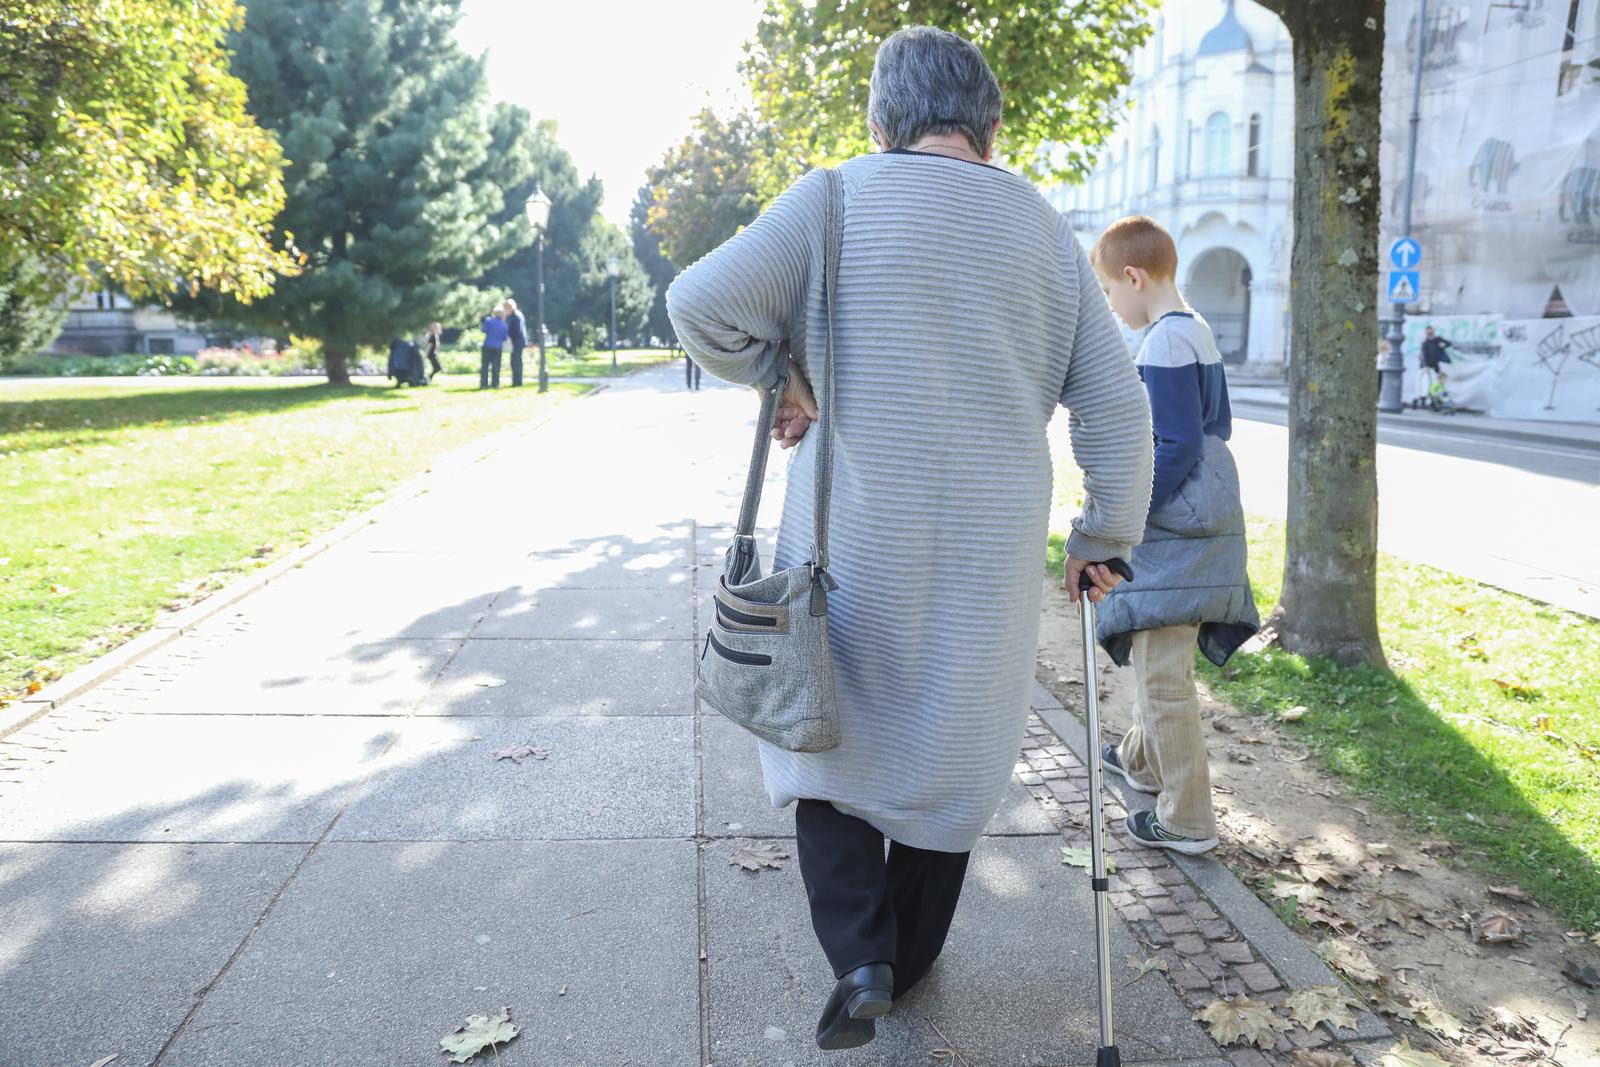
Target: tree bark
{"points": [[1329, 602], [335, 362]]}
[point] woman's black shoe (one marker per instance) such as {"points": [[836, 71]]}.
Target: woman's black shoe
{"points": [[859, 998]]}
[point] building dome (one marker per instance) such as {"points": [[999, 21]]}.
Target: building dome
{"points": [[1226, 36]]}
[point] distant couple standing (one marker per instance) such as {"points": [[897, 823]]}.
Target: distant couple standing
{"points": [[500, 325]]}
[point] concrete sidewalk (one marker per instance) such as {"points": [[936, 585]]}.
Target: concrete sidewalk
{"points": [[285, 838]]}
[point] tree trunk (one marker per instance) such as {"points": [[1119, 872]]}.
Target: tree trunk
{"points": [[1329, 603], [335, 363]]}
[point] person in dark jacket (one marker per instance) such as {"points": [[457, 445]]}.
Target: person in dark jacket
{"points": [[517, 330], [494, 344], [434, 333], [1191, 586]]}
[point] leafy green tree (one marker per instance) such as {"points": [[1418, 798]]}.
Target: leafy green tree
{"points": [[29, 320], [1061, 66], [705, 189], [633, 286], [659, 269], [126, 154], [397, 174], [1329, 604]]}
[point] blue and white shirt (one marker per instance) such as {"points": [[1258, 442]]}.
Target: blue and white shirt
{"points": [[1182, 372]]}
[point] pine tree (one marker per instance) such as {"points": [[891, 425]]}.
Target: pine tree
{"points": [[397, 169], [660, 271]]}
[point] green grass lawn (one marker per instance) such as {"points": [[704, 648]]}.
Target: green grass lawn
{"points": [[596, 364], [127, 496], [1485, 734]]}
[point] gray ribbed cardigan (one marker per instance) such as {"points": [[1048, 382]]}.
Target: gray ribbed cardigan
{"points": [[966, 312]]}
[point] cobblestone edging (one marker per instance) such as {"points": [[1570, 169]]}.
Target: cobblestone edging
{"points": [[1207, 955]]}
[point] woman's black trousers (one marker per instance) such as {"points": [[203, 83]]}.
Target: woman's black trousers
{"points": [[868, 908]]}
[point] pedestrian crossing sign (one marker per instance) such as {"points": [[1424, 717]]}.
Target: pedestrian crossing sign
{"points": [[1403, 286]]}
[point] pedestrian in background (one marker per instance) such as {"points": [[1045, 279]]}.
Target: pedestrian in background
{"points": [[1191, 586], [517, 331], [691, 371], [434, 334], [1434, 356], [494, 344], [932, 638]]}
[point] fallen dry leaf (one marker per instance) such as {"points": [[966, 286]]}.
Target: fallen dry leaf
{"points": [[1583, 974], [1320, 1057], [1349, 959], [1511, 892], [1144, 967], [479, 1033], [1301, 891], [1437, 1021], [1403, 1055], [1379, 848], [1438, 848], [1076, 856], [1243, 1020], [1496, 928], [1323, 1004], [1392, 1002], [1326, 872], [753, 856], [1396, 908], [518, 753]]}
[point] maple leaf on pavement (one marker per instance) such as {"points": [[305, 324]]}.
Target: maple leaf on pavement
{"points": [[1322, 1004], [753, 856], [1243, 1020], [479, 1033], [1349, 959]]}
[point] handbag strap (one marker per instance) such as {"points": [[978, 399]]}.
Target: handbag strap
{"points": [[833, 237]]}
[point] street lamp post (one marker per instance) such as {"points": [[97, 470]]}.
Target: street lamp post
{"points": [[538, 208], [614, 269]]}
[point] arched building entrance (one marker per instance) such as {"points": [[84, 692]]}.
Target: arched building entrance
{"points": [[1219, 289]]}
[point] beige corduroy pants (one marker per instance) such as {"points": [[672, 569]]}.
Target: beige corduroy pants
{"points": [[1165, 748]]}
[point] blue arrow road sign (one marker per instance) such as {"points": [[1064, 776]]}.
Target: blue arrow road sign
{"points": [[1403, 286], [1405, 253]]}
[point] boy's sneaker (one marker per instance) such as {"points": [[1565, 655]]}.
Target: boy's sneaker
{"points": [[1111, 761], [1148, 831]]}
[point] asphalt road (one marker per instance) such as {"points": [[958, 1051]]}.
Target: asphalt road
{"points": [[1515, 512]]}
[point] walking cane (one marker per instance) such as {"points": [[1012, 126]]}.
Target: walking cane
{"points": [[1106, 1055]]}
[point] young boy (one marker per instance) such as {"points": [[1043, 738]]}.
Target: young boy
{"points": [[1191, 586]]}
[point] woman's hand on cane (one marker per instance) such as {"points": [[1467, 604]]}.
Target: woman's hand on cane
{"points": [[797, 410], [1104, 578]]}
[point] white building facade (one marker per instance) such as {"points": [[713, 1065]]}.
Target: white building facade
{"points": [[1206, 148]]}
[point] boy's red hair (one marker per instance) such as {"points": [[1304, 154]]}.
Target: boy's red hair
{"points": [[1136, 241]]}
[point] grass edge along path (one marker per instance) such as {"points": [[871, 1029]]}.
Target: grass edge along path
{"points": [[129, 499], [1486, 733]]}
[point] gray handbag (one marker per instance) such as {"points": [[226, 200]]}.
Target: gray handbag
{"points": [[765, 663]]}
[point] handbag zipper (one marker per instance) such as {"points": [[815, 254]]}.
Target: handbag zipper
{"points": [[743, 617], [753, 659]]}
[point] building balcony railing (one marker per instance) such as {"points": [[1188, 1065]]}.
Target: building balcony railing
{"points": [[99, 319], [1231, 188]]}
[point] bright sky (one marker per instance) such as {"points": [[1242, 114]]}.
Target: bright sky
{"points": [[622, 77]]}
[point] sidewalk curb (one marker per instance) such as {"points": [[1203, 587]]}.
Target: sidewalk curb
{"points": [[1469, 431], [25, 710], [1290, 958]]}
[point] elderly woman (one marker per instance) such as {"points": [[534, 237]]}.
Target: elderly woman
{"points": [[965, 312]]}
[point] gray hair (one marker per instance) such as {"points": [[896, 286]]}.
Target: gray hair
{"points": [[928, 81]]}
